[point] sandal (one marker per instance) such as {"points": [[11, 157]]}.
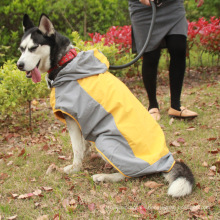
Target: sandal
{"points": [[184, 113], [155, 113]]}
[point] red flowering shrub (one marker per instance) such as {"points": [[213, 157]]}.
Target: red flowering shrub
{"points": [[205, 34], [120, 36]]}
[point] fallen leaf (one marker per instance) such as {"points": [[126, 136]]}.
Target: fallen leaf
{"points": [[195, 208], [190, 129], [181, 140], [122, 189], [211, 173], [205, 164], [10, 163], [156, 206], [45, 147], [57, 217], [211, 199], [102, 208], [177, 133], [25, 196], [45, 188], [3, 176], [175, 144], [91, 207], [134, 191], [43, 217], [118, 199], [51, 168], [105, 195], [198, 185], [206, 189], [151, 192], [12, 217], [21, 153], [108, 166], [37, 192], [214, 151], [141, 210], [65, 204], [14, 196], [212, 139], [152, 184], [36, 204], [213, 168]]}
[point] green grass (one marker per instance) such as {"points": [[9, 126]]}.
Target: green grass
{"points": [[27, 172]]}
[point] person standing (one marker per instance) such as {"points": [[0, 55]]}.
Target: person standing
{"points": [[170, 31]]}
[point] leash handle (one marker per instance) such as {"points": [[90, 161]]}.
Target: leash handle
{"points": [[111, 67]]}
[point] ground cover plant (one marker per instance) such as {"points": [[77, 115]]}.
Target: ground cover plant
{"points": [[26, 155]]}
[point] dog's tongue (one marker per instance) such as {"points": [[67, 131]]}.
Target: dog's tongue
{"points": [[36, 76]]}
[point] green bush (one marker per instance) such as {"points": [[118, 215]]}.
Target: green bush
{"points": [[16, 90], [111, 52]]}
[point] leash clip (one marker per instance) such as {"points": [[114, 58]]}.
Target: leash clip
{"points": [[158, 3]]}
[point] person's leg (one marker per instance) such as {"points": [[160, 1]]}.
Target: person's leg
{"points": [[149, 73], [176, 45]]}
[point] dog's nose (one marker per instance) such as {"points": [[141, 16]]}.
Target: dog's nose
{"points": [[20, 65]]}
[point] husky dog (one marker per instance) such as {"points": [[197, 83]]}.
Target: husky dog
{"points": [[99, 108]]}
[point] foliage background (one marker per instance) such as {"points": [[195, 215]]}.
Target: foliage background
{"points": [[83, 16]]}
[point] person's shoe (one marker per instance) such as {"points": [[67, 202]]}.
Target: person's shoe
{"points": [[155, 113], [184, 113]]}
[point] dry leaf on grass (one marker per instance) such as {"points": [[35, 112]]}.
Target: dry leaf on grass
{"points": [[211, 199], [43, 217], [45, 188], [206, 189], [123, 189], [151, 192], [37, 192], [205, 164], [12, 217], [152, 184], [25, 196], [21, 153], [102, 208], [195, 208], [91, 207], [175, 144], [51, 168], [3, 176]]}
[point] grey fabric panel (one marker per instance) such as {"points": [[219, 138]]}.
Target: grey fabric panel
{"points": [[99, 126], [83, 65], [170, 19]]}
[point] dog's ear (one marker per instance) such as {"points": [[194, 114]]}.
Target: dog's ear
{"points": [[46, 26], [27, 23]]}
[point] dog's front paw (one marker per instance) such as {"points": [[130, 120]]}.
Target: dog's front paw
{"points": [[70, 169]]}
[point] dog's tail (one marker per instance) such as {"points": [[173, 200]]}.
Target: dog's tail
{"points": [[181, 180]]}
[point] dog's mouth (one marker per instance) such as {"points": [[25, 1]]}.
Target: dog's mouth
{"points": [[34, 74]]}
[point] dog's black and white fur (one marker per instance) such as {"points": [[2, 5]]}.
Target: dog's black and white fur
{"points": [[43, 47]]}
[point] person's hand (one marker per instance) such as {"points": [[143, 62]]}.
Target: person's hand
{"points": [[200, 2], [146, 2]]}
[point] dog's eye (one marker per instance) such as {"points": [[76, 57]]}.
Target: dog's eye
{"points": [[32, 49], [22, 49]]}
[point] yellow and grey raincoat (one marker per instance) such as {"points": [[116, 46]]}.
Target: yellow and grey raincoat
{"points": [[109, 115]]}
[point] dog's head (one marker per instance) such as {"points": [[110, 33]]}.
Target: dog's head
{"points": [[36, 46]]}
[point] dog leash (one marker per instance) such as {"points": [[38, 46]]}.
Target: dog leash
{"points": [[154, 4]]}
